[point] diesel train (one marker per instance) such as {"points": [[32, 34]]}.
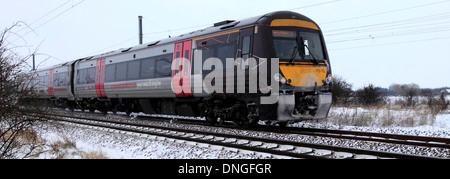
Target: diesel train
{"points": [[220, 73]]}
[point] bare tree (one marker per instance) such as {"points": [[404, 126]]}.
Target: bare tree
{"points": [[409, 91], [17, 136]]}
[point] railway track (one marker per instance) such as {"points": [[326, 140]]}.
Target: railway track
{"points": [[370, 136], [342, 134], [278, 148]]}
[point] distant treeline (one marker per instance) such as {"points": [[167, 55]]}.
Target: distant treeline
{"points": [[423, 91], [344, 94]]}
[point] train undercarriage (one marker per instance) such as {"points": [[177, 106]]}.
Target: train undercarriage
{"points": [[291, 107]]}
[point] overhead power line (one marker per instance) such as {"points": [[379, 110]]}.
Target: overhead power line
{"points": [[50, 12], [390, 25], [412, 26], [394, 43], [394, 34], [42, 17], [386, 12], [73, 6], [53, 18], [313, 5]]}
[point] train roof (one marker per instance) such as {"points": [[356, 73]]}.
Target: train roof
{"points": [[217, 27]]}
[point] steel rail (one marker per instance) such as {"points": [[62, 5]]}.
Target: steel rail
{"points": [[244, 147]]}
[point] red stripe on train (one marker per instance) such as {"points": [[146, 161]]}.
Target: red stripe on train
{"points": [[59, 89], [100, 78], [127, 85], [50, 85]]}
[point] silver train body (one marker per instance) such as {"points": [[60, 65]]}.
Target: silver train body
{"points": [[141, 78]]}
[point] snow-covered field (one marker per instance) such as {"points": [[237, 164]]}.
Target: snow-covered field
{"points": [[114, 145], [383, 120], [71, 141]]}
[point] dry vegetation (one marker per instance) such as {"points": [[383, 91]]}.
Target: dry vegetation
{"points": [[370, 106], [380, 116], [67, 149], [17, 138], [21, 111]]}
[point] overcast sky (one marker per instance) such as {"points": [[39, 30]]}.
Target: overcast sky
{"points": [[369, 41]]}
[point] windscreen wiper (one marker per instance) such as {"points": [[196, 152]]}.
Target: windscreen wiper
{"points": [[301, 48], [312, 55], [292, 60]]}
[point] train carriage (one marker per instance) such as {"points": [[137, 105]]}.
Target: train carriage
{"points": [[54, 83], [192, 74], [40, 83]]}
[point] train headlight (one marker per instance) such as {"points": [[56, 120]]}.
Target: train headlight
{"points": [[329, 79], [283, 80], [279, 78]]}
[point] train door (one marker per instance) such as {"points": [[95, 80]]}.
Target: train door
{"points": [[245, 52], [182, 71], [245, 44], [72, 81], [100, 78]]}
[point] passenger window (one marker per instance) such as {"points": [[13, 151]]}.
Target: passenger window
{"points": [[60, 79], [56, 80], [163, 67], [110, 73], [90, 75], [148, 68], [226, 51], [45, 80], [81, 76], [121, 71], [246, 45], [133, 70]]}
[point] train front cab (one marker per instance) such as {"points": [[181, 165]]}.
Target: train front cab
{"points": [[305, 73]]}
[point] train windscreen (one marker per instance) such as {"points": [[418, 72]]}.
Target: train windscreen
{"points": [[287, 42]]}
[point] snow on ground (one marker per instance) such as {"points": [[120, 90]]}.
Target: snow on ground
{"points": [[83, 142], [384, 120], [122, 146], [443, 121]]}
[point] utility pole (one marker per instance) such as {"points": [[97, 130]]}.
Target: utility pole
{"points": [[34, 66], [141, 36]]}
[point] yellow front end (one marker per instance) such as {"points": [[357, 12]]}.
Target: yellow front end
{"points": [[306, 100], [302, 75]]}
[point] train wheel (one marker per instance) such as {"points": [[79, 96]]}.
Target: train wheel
{"points": [[211, 119], [282, 124], [114, 110], [128, 112], [204, 111], [251, 122], [242, 117]]}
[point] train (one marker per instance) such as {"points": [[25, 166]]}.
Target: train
{"points": [[220, 73]]}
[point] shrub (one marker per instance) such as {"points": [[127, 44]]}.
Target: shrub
{"points": [[341, 90], [369, 95]]}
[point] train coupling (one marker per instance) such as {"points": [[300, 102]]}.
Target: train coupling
{"points": [[303, 106]]}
